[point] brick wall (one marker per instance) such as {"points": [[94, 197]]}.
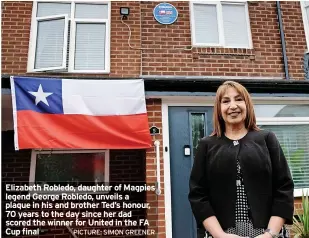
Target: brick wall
{"points": [[295, 38], [165, 47], [125, 61], [167, 43], [16, 19], [166, 50], [157, 214], [15, 32]]}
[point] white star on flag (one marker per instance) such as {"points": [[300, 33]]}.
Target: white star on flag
{"points": [[40, 96]]}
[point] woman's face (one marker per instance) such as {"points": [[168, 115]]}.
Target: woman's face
{"points": [[233, 108]]}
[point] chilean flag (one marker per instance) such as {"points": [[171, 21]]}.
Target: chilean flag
{"points": [[79, 114]]}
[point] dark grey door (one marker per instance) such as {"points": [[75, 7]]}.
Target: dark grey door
{"points": [[186, 126]]}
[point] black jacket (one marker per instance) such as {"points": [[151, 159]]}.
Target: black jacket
{"points": [[266, 175]]}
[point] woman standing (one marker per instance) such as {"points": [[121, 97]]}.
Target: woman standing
{"points": [[240, 183]]}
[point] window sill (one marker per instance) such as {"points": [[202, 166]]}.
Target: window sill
{"points": [[298, 192], [250, 53], [67, 72]]}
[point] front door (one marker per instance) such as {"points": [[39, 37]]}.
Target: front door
{"points": [[186, 126]]}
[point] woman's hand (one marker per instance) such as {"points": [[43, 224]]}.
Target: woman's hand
{"points": [[265, 235], [227, 235]]}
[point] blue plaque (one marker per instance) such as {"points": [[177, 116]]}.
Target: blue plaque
{"points": [[165, 13]]}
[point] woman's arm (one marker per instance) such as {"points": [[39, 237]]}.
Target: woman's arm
{"points": [[283, 188], [275, 224], [213, 226], [282, 184], [198, 194]]}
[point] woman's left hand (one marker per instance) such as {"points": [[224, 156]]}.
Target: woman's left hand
{"points": [[265, 235]]}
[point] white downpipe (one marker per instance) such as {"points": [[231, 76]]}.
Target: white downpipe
{"points": [[158, 183]]}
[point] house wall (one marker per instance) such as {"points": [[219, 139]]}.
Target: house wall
{"points": [[164, 46], [166, 54], [295, 38], [16, 25], [160, 50]]}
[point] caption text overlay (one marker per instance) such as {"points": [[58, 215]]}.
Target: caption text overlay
{"points": [[112, 209]]}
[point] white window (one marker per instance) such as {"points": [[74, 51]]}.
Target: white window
{"points": [[86, 167], [70, 37], [290, 123], [305, 13], [222, 24]]}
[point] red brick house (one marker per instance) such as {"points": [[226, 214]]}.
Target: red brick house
{"points": [[260, 44]]}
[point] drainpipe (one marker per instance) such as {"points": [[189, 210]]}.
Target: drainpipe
{"points": [[158, 183], [285, 59]]}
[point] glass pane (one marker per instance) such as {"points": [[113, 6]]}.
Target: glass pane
{"points": [[49, 46], [235, 25], [197, 128], [90, 46], [281, 110], [70, 168], [294, 140], [50, 9], [205, 23], [91, 11]]}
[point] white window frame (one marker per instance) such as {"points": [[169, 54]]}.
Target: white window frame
{"points": [[35, 153], [65, 39], [278, 121], [305, 21], [33, 38], [220, 24]]}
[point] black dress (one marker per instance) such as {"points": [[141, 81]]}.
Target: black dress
{"points": [[243, 222]]}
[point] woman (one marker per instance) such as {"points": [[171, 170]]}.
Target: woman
{"points": [[240, 183]]}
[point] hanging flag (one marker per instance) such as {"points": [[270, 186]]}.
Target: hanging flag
{"points": [[79, 114]]}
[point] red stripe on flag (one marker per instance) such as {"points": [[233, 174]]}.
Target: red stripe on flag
{"points": [[37, 130]]}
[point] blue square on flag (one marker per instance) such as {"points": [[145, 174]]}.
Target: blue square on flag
{"points": [[40, 95]]}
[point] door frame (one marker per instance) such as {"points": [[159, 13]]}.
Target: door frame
{"points": [[166, 103], [199, 101]]}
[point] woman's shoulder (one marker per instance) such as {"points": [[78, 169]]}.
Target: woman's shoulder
{"points": [[262, 133], [253, 134], [204, 140], [211, 139]]}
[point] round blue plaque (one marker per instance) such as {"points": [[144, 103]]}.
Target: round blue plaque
{"points": [[165, 13]]}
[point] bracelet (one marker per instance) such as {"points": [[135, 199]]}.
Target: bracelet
{"points": [[272, 233]]}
